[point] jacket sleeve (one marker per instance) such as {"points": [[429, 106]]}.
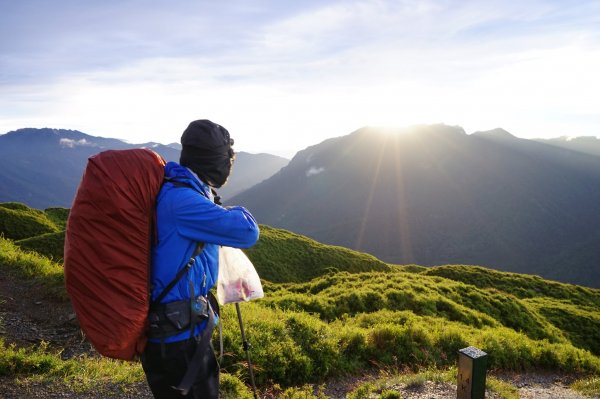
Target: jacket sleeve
{"points": [[199, 219]]}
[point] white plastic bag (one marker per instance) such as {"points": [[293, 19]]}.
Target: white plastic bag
{"points": [[238, 280]]}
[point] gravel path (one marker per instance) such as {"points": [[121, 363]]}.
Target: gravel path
{"points": [[530, 386], [544, 386]]}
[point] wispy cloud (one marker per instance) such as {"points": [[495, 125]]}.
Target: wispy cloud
{"points": [[303, 69], [69, 143]]}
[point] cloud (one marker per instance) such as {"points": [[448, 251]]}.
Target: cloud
{"points": [[52, 40], [314, 171], [289, 74], [70, 143]]}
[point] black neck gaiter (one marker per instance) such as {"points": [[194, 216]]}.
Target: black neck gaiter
{"points": [[213, 167]]}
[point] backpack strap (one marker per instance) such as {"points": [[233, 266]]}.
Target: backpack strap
{"points": [[182, 272], [189, 264], [194, 364]]}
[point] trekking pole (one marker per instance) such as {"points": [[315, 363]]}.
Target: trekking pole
{"points": [[246, 346]]}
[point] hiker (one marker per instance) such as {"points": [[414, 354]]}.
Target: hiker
{"points": [[191, 225]]}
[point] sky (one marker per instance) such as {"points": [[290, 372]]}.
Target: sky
{"points": [[285, 75]]}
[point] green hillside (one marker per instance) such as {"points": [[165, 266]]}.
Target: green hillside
{"points": [[520, 285], [329, 312], [49, 244], [17, 221], [58, 216], [282, 256]]}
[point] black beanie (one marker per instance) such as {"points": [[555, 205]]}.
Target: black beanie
{"points": [[206, 150]]}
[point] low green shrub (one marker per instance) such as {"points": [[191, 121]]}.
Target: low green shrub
{"points": [[334, 296], [275, 353], [304, 392], [505, 389], [581, 326], [519, 285], [363, 391], [50, 245], [231, 387], [390, 394], [406, 345], [17, 206], [317, 340], [58, 216], [282, 256], [448, 342], [353, 347], [509, 350], [18, 221]]}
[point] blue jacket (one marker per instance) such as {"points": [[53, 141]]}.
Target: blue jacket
{"points": [[184, 217]]}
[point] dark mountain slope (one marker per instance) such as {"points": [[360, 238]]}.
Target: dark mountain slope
{"points": [[43, 167], [250, 169], [435, 195], [586, 144]]}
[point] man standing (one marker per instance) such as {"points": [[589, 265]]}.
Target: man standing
{"points": [[179, 360]]}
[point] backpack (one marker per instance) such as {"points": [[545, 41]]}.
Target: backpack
{"points": [[108, 246]]}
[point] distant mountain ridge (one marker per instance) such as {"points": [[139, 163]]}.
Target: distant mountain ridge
{"points": [[586, 144], [434, 195], [42, 167]]}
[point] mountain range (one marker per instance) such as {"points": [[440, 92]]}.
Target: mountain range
{"points": [[427, 195], [433, 195], [42, 167]]}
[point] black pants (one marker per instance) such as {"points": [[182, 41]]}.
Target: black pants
{"points": [[164, 373]]}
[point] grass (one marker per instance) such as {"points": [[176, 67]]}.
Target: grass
{"points": [[50, 245], [291, 347], [36, 269], [391, 318], [86, 373], [579, 324], [81, 373], [303, 392], [231, 387], [519, 285], [335, 296], [588, 386], [504, 389], [329, 312], [58, 216], [281, 256], [18, 221]]}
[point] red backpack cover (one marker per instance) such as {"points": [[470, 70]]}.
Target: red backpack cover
{"points": [[108, 249]]}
